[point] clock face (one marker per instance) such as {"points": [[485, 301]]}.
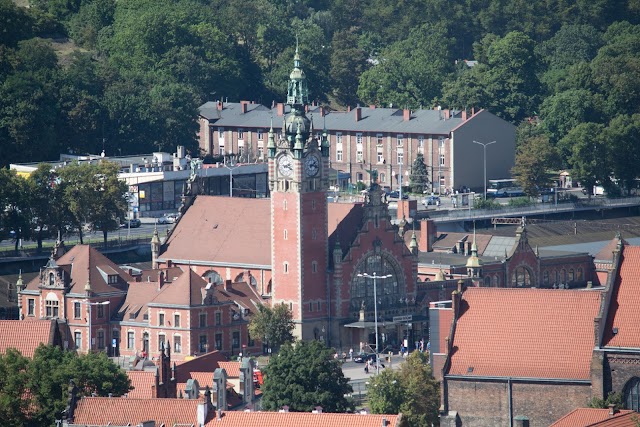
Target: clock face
{"points": [[285, 166], [312, 166]]}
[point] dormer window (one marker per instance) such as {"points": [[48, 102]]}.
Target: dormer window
{"points": [[112, 279]]}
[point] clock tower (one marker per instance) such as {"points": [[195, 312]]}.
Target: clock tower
{"points": [[298, 180]]}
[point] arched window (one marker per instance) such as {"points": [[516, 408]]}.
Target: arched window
{"points": [[521, 277], [389, 291], [563, 276], [545, 277], [556, 277], [571, 276], [496, 281], [579, 276], [268, 288], [212, 276], [632, 394], [52, 279], [487, 281]]}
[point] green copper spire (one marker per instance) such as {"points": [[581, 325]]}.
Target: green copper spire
{"points": [[297, 92], [271, 142]]}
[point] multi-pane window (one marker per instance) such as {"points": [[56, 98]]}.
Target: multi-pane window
{"points": [[112, 279], [382, 177], [261, 152], [260, 134], [31, 307], [176, 320], [51, 308], [218, 318], [400, 140], [162, 339], [161, 319], [338, 137], [421, 144], [379, 139], [100, 311], [240, 134], [358, 138], [77, 311], [100, 339], [380, 155], [177, 344], [359, 154], [130, 340], [77, 338], [441, 159], [235, 339], [218, 341], [202, 344], [632, 394], [221, 152], [221, 134], [400, 157], [203, 320], [339, 154]]}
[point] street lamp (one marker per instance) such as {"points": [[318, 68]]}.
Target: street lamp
{"points": [[90, 304], [375, 309], [231, 158], [484, 147]]}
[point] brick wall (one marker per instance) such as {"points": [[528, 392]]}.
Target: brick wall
{"points": [[622, 367], [486, 404]]}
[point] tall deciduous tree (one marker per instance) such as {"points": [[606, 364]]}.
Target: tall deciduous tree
{"points": [[348, 62], [13, 388], [275, 325], [411, 390], [534, 159], [588, 151], [419, 177], [622, 137], [305, 376]]}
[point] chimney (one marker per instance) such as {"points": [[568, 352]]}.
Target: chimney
{"points": [[227, 285], [406, 115], [203, 409], [322, 112], [220, 106], [612, 409], [372, 106], [280, 109], [285, 408], [521, 421], [243, 106], [463, 114], [306, 108], [385, 422], [473, 110], [348, 108], [219, 414], [358, 111], [318, 410], [447, 113], [456, 297], [160, 280]]}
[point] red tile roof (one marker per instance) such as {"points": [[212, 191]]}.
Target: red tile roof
{"points": [[84, 261], [143, 383], [26, 335], [124, 410], [217, 229], [606, 253], [300, 419], [232, 368], [625, 300], [185, 290], [586, 417], [205, 363], [531, 333]]}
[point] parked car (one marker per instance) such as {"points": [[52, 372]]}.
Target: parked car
{"points": [[431, 200], [134, 223], [363, 357], [396, 195], [168, 218]]}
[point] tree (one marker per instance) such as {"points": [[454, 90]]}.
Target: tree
{"points": [[47, 204], [274, 324], [409, 73], [348, 62], [412, 391], [587, 154], [419, 177], [13, 379], [51, 370], [563, 111], [622, 137], [16, 215], [305, 376], [534, 158]]}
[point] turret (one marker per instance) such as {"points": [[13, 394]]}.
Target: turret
{"points": [[271, 142], [155, 247], [413, 245], [19, 288], [474, 265]]}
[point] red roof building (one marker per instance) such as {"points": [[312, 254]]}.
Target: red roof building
{"points": [[592, 417], [26, 337]]}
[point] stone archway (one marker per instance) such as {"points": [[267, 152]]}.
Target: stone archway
{"points": [[522, 276]]}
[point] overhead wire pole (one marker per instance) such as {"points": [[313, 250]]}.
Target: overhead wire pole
{"points": [[375, 310], [484, 147]]}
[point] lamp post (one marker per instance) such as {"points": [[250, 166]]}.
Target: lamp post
{"points": [[231, 158], [90, 304], [375, 309], [484, 148]]}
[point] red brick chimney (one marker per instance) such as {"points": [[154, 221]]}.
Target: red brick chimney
{"points": [[220, 105], [427, 235], [243, 106], [358, 113], [463, 114], [447, 113], [372, 106], [160, 280], [227, 285], [406, 115], [348, 108], [322, 112], [280, 109]]}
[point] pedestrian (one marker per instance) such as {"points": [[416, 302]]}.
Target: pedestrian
{"points": [[366, 368], [351, 353]]}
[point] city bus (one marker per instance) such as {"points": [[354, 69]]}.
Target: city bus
{"points": [[498, 184]]}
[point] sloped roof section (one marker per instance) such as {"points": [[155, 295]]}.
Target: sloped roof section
{"points": [[84, 262], [26, 335], [185, 290], [301, 419], [229, 230], [122, 411], [143, 383], [525, 333], [623, 322], [587, 417]]}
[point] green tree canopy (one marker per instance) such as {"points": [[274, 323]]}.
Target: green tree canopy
{"points": [[419, 177], [348, 62], [275, 325], [535, 158], [587, 157], [303, 376]]}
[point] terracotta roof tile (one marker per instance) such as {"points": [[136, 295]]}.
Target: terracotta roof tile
{"points": [[216, 229], [625, 300], [300, 419], [77, 261], [586, 417], [523, 333], [143, 383], [125, 410], [232, 368], [25, 335], [606, 253], [185, 290], [205, 363]]}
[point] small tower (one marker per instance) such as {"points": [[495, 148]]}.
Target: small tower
{"points": [[474, 265], [413, 245], [155, 247], [19, 288]]}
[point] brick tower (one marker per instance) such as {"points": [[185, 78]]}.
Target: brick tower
{"points": [[298, 180]]}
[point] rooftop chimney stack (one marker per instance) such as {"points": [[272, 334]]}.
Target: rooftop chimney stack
{"points": [[358, 112], [406, 115]]}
